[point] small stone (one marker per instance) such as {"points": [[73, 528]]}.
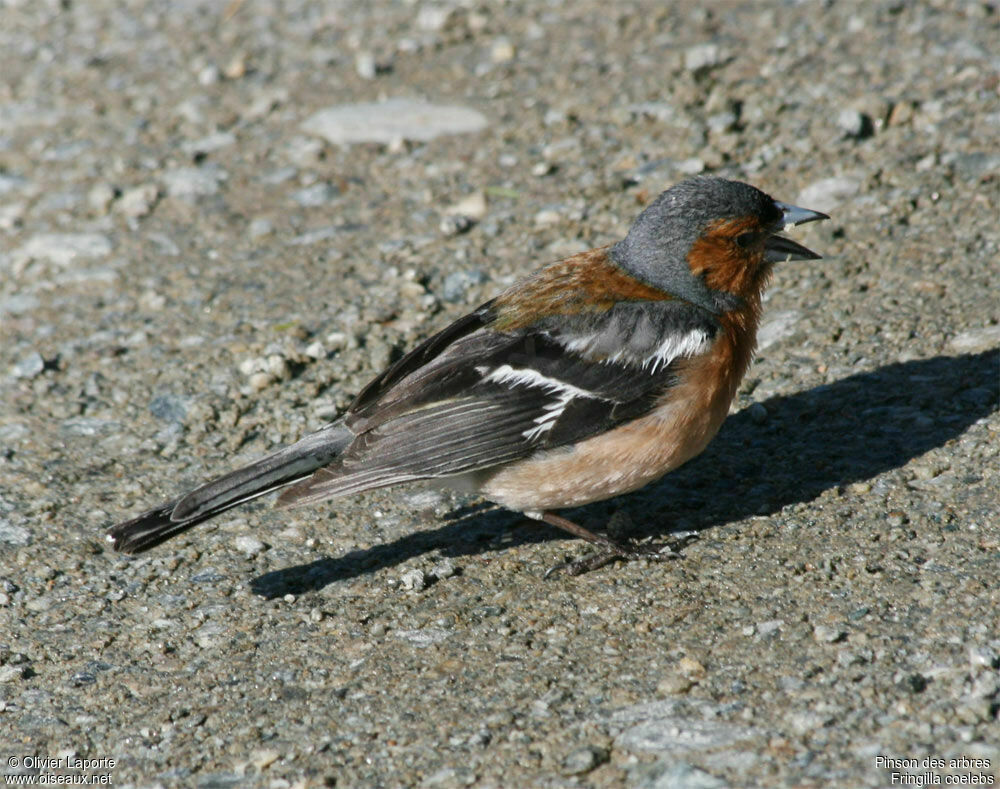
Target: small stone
{"points": [[771, 626], [457, 284], [673, 684], [250, 546], [414, 580], [901, 113], [208, 144], [472, 206], [976, 339], [237, 67], [258, 228], [254, 365], [139, 201], [691, 166], [64, 248], [259, 381], [11, 673], [444, 569], [169, 408], [316, 195], [14, 535], [263, 758], [191, 183], [455, 224], [425, 637], [584, 759], [29, 366], [365, 65], [547, 217], [827, 193], [758, 413], [209, 75], [777, 327], [702, 57], [502, 51], [671, 774], [433, 18], [100, 197], [278, 367], [315, 350], [854, 124], [722, 122], [825, 634], [392, 120]]}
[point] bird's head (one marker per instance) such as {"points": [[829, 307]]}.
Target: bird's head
{"points": [[712, 241]]}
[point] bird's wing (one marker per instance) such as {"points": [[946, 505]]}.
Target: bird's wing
{"points": [[473, 397]]}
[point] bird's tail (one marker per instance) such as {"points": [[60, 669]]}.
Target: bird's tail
{"points": [[284, 467]]}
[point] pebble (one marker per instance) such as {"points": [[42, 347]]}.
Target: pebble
{"points": [[169, 407], [976, 339], [826, 634], [473, 206], [424, 637], [502, 51], [365, 65], [14, 535], [315, 350], [139, 200], [661, 726], [262, 758], [249, 546], [769, 627], [11, 673], [758, 413], [191, 183], [28, 366], [11, 183], [584, 759], [208, 144], [64, 248], [854, 124], [670, 774], [444, 569], [702, 57], [777, 326], [433, 18], [827, 193], [455, 224], [316, 195], [392, 120], [100, 197], [258, 228], [414, 580]]}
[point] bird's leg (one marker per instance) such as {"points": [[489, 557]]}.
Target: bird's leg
{"points": [[612, 551]]}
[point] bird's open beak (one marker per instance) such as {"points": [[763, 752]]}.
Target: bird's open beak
{"points": [[778, 248]]}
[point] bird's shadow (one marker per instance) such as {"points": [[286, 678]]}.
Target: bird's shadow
{"points": [[847, 431]]}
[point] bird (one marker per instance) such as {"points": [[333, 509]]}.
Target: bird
{"points": [[590, 378]]}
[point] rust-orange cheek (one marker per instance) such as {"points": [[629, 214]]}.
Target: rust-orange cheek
{"points": [[725, 265]]}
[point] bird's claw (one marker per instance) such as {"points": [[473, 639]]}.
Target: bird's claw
{"points": [[626, 552]]}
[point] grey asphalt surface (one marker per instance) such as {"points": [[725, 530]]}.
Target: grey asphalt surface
{"points": [[194, 274]]}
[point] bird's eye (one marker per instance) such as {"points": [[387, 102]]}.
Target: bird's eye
{"points": [[745, 239]]}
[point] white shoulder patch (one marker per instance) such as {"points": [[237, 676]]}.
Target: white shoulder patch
{"points": [[563, 394], [677, 346]]}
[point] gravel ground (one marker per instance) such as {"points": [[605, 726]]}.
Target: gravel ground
{"points": [[198, 268]]}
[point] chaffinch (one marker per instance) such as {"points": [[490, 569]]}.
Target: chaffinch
{"points": [[592, 377]]}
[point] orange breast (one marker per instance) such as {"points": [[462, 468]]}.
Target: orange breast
{"points": [[629, 457]]}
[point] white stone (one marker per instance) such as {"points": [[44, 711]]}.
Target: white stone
{"points": [[393, 120]]}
